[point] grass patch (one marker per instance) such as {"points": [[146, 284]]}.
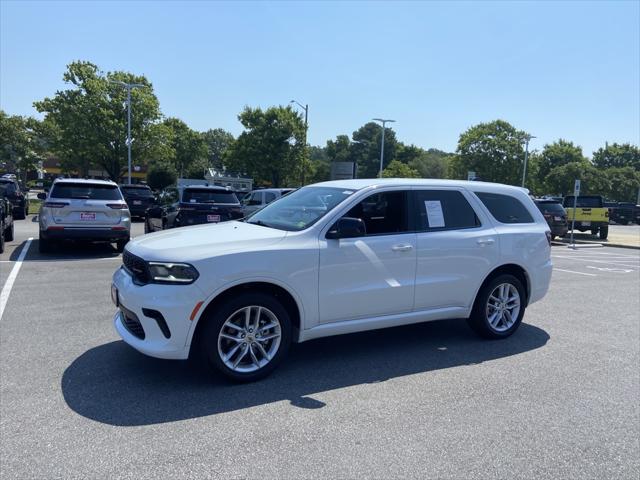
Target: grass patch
{"points": [[34, 205]]}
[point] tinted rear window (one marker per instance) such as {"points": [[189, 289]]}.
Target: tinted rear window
{"points": [[584, 202], [86, 191], [550, 207], [505, 208], [137, 191], [203, 195]]}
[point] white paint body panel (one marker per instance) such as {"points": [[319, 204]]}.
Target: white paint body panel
{"points": [[339, 286]]}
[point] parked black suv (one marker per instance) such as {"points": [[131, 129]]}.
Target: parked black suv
{"points": [[138, 198], [192, 205], [6, 218], [555, 215], [16, 196]]}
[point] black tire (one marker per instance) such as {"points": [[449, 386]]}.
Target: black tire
{"points": [[26, 209], [44, 245], [146, 226], [9, 233], [120, 244], [478, 320], [208, 338], [604, 232], [20, 215], [2, 237], [594, 231]]}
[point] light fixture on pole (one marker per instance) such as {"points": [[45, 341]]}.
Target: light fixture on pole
{"points": [[306, 128], [128, 86], [526, 139], [384, 122]]}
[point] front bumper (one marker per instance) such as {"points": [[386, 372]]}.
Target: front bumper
{"points": [[174, 302], [78, 233]]}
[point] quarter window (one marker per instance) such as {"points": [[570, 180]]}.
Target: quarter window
{"points": [[505, 208], [383, 213], [443, 210]]}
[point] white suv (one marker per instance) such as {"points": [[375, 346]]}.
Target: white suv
{"points": [[333, 258], [77, 209]]}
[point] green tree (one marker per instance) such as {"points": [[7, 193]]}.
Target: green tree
{"points": [[493, 150], [21, 143], [161, 175], [624, 183], [617, 156], [557, 154], [320, 165], [339, 150], [88, 121], [561, 179], [271, 148], [190, 157], [367, 149], [397, 169], [432, 163], [218, 141], [407, 153]]}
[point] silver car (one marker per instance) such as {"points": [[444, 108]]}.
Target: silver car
{"points": [[254, 201], [88, 210]]}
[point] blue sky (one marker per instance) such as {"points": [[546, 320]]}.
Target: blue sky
{"points": [[557, 70]]}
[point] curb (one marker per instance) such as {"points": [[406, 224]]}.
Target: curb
{"points": [[586, 242]]}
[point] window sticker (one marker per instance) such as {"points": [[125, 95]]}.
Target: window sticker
{"points": [[434, 213]]}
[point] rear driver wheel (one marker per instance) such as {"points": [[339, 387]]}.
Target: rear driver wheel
{"points": [[499, 307]]}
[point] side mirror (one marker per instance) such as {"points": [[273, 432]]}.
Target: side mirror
{"points": [[347, 227], [42, 196]]}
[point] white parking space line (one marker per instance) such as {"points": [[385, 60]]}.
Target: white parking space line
{"points": [[591, 260], [577, 273], [8, 285]]}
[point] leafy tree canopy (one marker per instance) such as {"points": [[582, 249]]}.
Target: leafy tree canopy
{"points": [[494, 150], [367, 151], [161, 175], [624, 183], [617, 156], [397, 169], [271, 148], [218, 141], [190, 149], [561, 179], [557, 154]]}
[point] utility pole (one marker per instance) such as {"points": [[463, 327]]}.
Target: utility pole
{"points": [[526, 139], [306, 129], [384, 122], [128, 86]]}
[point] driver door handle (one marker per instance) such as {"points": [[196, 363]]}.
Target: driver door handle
{"points": [[402, 248]]}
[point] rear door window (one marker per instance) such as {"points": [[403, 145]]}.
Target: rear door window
{"points": [[269, 197], [442, 210], [505, 208], [86, 191]]}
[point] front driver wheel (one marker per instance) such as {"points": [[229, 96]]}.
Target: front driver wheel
{"points": [[499, 307], [247, 337]]}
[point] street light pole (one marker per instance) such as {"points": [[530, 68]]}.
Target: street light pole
{"points": [[128, 86], [384, 122], [306, 129], [527, 138]]}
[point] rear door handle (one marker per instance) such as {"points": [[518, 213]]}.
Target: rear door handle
{"points": [[402, 248], [485, 241]]}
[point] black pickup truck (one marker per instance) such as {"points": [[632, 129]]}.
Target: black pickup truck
{"points": [[6, 218]]}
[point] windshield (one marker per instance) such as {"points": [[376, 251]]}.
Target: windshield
{"points": [[550, 207], [86, 191], [300, 209], [205, 195], [584, 202], [137, 191]]}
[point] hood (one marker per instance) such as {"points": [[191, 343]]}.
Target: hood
{"points": [[190, 244]]}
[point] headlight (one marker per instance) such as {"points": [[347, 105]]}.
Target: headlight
{"points": [[172, 273]]}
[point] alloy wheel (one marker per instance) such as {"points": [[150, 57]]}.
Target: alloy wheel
{"points": [[503, 307]]}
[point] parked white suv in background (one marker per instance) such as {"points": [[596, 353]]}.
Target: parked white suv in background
{"points": [[88, 210], [333, 258], [257, 199]]}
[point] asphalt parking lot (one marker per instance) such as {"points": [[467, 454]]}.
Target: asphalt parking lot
{"points": [[559, 399]]}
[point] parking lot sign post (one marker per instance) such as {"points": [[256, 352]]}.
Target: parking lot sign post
{"points": [[576, 192]]}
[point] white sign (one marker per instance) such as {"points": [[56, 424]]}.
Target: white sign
{"points": [[471, 175], [434, 213], [576, 188]]}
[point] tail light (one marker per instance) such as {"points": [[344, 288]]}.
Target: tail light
{"points": [[548, 234], [547, 216], [117, 206], [56, 204]]}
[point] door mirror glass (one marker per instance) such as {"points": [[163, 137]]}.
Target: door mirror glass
{"points": [[347, 227]]}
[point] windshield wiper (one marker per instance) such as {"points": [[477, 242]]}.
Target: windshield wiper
{"points": [[261, 223]]}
